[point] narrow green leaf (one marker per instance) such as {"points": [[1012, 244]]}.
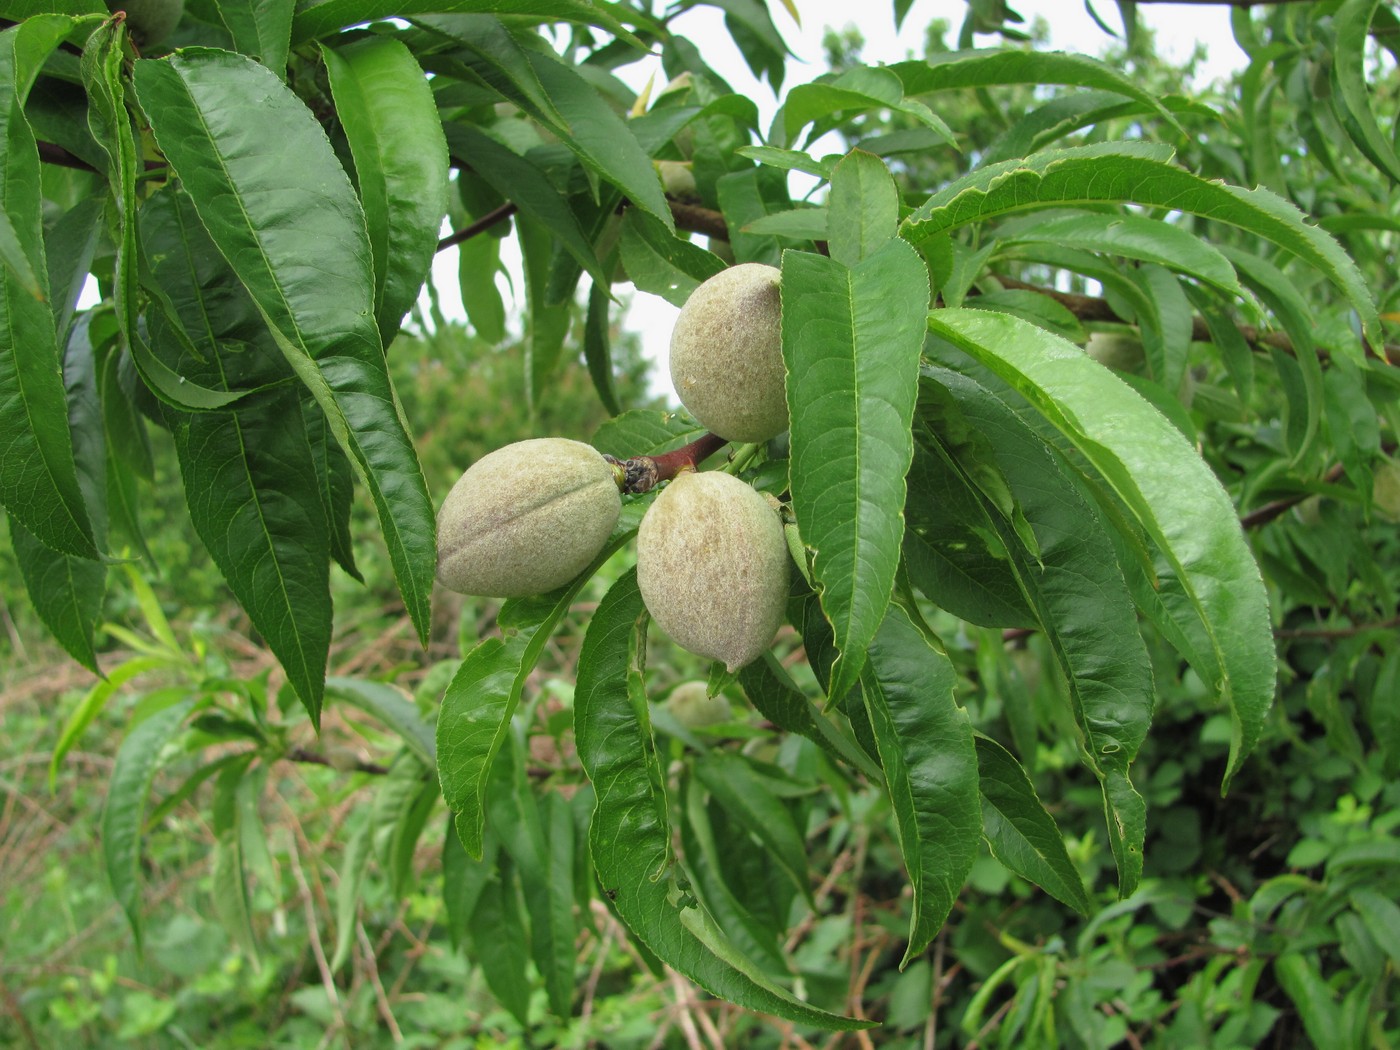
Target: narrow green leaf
{"points": [[1300, 977], [951, 552], [514, 815], [714, 880], [401, 808], [70, 246], [17, 264], [1133, 237], [863, 207], [1021, 834], [354, 864], [250, 483], [731, 780], [630, 837], [547, 319], [645, 432], [324, 18], [483, 695], [463, 879], [261, 29], [956, 70], [500, 943], [250, 477], [471, 727], [1382, 918], [228, 875], [391, 122], [859, 89], [1209, 579], [1296, 315], [335, 476], [1035, 307], [104, 68], [392, 707], [93, 703], [602, 139], [930, 761], [788, 160], [66, 591], [1123, 172], [597, 348], [556, 958], [851, 343], [799, 224], [1165, 323], [777, 698], [661, 263], [39, 485], [478, 263], [742, 199], [123, 815], [1065, 114], [496, 56], [1352, 24], [520, 180], [297, 241], [751, 27]]}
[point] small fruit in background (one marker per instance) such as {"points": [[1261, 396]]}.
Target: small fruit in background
{"points": [[526, 518], [691, 704], [1119, 349], [727, 354], [1385, 491], [712, 566], [677, 177]]}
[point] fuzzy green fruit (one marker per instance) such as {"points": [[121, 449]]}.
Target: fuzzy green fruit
{"points": [[727, 354], [691, 704], [149, 21], [1385, 491], [1120, 350], [526, 518], [712, 565], [677, 177]]}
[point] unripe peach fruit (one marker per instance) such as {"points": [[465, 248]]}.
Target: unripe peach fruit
{"points": [[712, 565], [727, 354], [526, 518], [691, 704]]}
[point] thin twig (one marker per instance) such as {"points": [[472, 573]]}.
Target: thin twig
{"points": [[313, 932], [1269, 511], [13, 1008], [491, 218], [1349, 631], [301, 754], [644, 473], [386, 1009]]}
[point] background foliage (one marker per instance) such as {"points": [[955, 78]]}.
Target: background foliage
{"points": [[260, 783]]}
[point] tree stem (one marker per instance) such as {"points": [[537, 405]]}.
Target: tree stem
{"points": [[643, 473]]}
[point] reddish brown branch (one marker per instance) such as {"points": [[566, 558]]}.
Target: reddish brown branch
{"points": [[301, 754], [491, 218], [1269, 511], [643, 473], [60, 157], [697, 219]]}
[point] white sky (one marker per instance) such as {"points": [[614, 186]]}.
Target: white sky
{"points": [[1178, 28]]}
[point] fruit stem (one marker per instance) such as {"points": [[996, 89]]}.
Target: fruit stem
{"points": [[643, 473]]}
